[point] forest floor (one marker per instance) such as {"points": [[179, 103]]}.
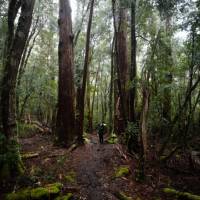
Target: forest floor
{"points": [[89, 171]]}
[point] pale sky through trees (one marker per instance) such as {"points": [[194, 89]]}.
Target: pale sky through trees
{"points": [[73, 6]]}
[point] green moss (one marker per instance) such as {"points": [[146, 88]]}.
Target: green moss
{"points": [[20, 167], [21, 195], [58, 185], [54, 189], [113, 139], [185, 195], [122, 196], [71, 177], [122, 171], [39, 193], [66, 197], [51, 190]]}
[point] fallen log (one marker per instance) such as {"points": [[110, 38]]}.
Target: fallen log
{"points": [[29, 155], [122, 196], [41, 127]]}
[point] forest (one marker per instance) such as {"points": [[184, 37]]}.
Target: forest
{"points": [[100, 99]]}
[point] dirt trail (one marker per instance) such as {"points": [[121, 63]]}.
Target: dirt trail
{"points": [[95, 165]]}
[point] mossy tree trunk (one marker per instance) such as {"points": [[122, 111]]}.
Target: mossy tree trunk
{"points": [[16, 41]]}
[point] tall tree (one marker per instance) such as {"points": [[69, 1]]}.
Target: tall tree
{"points": [[121, 63], [65, 125], [81, 91], [15, 46], [133, 67]]}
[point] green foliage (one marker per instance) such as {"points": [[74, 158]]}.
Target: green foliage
{"points": [[26, 130], [132, 133]]}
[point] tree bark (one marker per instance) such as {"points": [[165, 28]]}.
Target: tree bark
{"points": [[121, 65], [65, 124]]}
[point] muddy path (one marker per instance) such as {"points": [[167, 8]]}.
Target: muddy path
{"points": [[95, 164]]}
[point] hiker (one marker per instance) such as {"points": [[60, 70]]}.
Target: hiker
{"points": [[101, 129]]}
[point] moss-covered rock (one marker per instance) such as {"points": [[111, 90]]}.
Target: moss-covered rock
{"points": [[65, 197], [55, 185], [39, 193], [121, 171], [122, 196], [20, 195], [50, 191], [181, 195]]}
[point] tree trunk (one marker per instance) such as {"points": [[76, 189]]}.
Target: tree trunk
{"points": [[15, 48], [133, 68], [65, 125], [81, 100], [121, 65], [168, 62], [93, 96], [89, 113]]}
